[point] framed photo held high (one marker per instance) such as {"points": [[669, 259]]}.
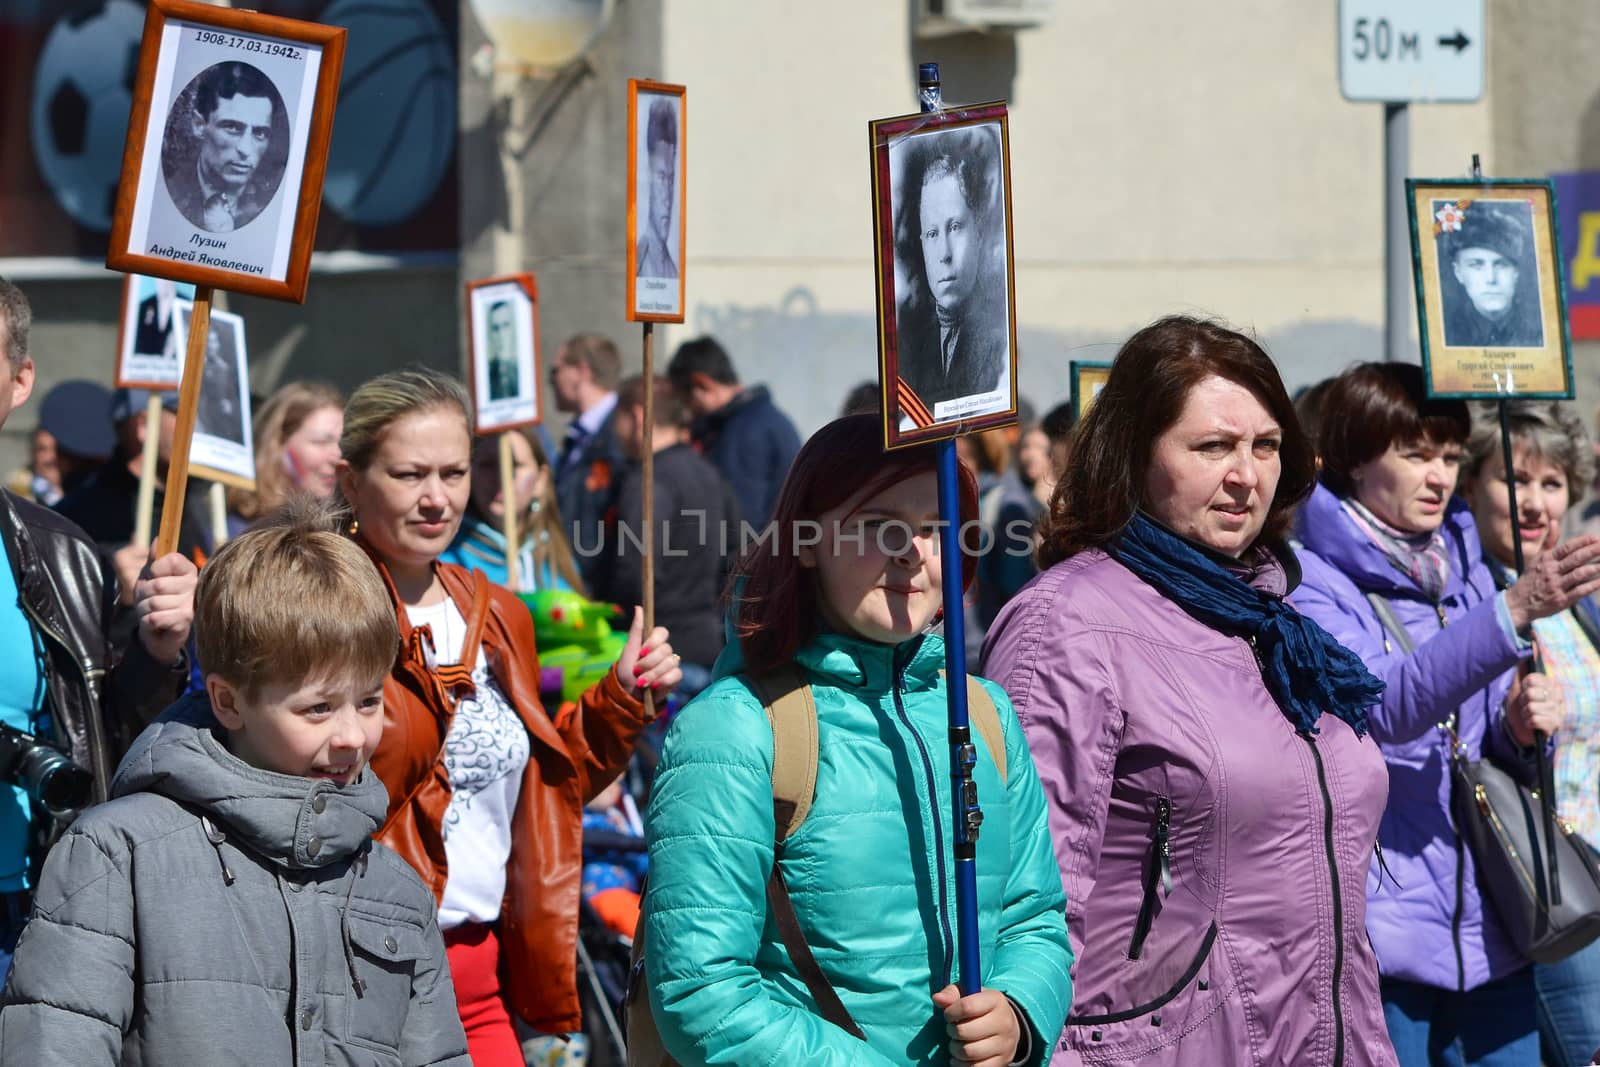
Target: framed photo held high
{"points": [[149, 338], [941, 203], [1087, 380], [503, 347], [227, 145], [1491, 303], [657, 168], [223, 448]]}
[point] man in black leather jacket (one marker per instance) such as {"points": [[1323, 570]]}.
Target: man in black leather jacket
{"points": [[71, 689]]}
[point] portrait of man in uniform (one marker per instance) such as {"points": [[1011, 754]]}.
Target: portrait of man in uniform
{"points": [[221, 412], [225, 147], [660, 181], [504, 374], [1487, 280]]}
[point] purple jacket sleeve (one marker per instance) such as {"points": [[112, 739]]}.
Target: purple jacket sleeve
{"points": [[1421, 689], [1064, 697]]}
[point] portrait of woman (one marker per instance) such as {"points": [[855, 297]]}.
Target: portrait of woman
{"points": [[951, 312]]}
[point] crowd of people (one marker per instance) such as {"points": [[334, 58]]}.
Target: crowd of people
{"points": [[1227, 646]]}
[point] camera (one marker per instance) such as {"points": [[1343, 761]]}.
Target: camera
{"points": [[48, 775]]}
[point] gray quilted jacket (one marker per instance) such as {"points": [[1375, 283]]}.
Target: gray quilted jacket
{"points": [[213, 913]]}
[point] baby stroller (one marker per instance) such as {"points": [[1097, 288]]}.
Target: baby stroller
{"points": [[602, 950]]}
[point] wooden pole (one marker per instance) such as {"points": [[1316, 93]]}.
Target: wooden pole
{"points": [[508, 521], [194, 365], [217, 498], [648, 504], [149, 456]]}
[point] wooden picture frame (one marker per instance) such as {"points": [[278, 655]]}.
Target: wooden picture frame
{"points": [[226, 197], [149, 342], [506, 393], [1088, 378], [947, 345], [1491, 295], [223, 448], [655, 278]]}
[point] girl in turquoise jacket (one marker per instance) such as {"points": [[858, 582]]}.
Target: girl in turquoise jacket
{"points": [[844, 591]]}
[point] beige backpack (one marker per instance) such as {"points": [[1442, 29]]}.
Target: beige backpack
{"points": [[792, 711]]}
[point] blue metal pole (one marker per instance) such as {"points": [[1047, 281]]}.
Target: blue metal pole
{"points": [[963, 756]]}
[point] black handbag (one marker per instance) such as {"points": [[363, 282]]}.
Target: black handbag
{"points": [[1549, 904]]}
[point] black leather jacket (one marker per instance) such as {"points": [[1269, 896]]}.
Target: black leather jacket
{"points": [[97, 704]]}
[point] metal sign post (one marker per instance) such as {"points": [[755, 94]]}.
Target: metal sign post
{"points": [[1396, 52]]}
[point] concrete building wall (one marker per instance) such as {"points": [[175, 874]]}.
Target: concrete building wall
{"points": [[1164, 158], [1545, 103]]}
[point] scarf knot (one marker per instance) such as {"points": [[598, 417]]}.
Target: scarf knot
{"points": [[1306, 670]]}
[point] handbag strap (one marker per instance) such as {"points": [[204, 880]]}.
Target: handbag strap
{"points": [[1543, 770], [1391, 623]]}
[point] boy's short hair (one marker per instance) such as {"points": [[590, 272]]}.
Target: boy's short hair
{"points": [[290, 601]]}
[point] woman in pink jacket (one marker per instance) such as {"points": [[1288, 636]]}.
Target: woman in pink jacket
{"points": [[1214, 795]]}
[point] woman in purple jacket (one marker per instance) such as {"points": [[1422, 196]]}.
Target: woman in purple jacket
{"points": [[1382, 533], [1214, 796]]}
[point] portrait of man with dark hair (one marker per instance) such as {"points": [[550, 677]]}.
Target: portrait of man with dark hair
{"points": [[660, 184], [504, 375], [225, 147], [1487, 282], [952, 331]]}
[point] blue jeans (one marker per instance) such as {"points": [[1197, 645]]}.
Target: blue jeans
{"points": [[1493, 1025], [1569, 1007]]}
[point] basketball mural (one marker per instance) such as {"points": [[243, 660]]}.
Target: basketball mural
{"points": [[65, 76], [396, 131]]}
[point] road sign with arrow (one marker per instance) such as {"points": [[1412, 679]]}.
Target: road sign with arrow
{"points": [[1411, 51]]}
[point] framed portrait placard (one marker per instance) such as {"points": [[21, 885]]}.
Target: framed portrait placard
{"points": [[227, 145], [223, 448], [149, 348], [1491, 303], [657, 166], [941, 203], [503, 345], [1088, 379]]}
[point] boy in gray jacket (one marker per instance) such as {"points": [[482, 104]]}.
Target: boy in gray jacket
{"points": [[229, 904]]}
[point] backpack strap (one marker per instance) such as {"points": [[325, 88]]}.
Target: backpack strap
{"points": [[982, 713], [792, 710]]}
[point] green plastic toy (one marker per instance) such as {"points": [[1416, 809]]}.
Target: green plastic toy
{"points": [[575, 637]]}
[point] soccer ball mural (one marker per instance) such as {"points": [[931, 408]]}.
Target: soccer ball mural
{"points": [[82, 93]]}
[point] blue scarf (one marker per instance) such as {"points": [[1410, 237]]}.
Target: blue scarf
{"points": [[1306, 670]]}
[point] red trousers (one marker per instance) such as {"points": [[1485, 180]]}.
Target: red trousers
{"points": [[474, 953]]}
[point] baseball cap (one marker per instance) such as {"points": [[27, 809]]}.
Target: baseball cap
{"points": [[73, 412], [126, 403]]}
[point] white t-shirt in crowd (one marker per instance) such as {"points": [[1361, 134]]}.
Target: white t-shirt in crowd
{"points": [[485, 753]]}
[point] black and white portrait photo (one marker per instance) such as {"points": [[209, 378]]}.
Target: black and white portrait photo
{"points": [[504, 374], [503, 328], [222, 431], [151, 355], [951, 277], [225, 147], [1488, 280], [656, 167], [656, 251]]}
